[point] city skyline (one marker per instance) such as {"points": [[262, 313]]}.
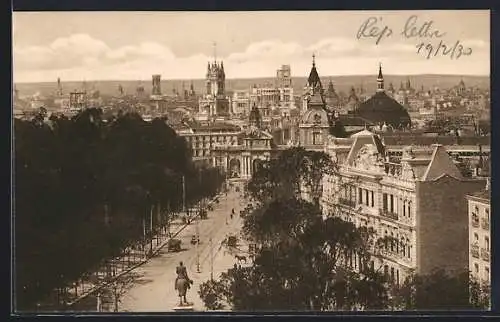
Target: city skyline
{"points": [[87, 45]]}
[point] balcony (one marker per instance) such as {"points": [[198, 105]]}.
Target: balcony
{"points": [[393, 169], [396, 256], [388, 214], [347, 202], [475, 221], [474, 249], [485, 224], [485, 254]]}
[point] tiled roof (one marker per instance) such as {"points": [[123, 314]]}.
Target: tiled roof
{"points": [[381, 108]]}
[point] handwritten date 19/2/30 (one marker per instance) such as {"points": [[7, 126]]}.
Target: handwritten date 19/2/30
{"points": [[430, 50]]}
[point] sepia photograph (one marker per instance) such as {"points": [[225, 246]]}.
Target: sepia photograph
{"points": [[251, 161]]}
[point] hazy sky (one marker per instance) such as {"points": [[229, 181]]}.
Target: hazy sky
{"points": [[135, 45]]}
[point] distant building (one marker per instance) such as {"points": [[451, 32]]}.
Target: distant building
{"points": [[314, 126], [78, 101], [156, 91], [380, 108], [241, 102], [285, 89], [265, 98], [333, 101], [214, 103]]}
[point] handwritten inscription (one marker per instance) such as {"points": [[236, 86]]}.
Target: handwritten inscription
{"points": [[423, 31], [454, 52], [369, 29], [413, 29]]}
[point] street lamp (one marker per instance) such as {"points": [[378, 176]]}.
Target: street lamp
{"points": [[197, 248], [211, 260]]}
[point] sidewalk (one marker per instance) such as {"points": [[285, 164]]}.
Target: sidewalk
{"points": [[119, 266]]}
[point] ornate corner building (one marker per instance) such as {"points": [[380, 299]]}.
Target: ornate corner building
{"points": [[418, 199]]}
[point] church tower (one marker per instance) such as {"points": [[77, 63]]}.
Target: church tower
{"points": [[156, 85], [59, 87], [214, 102]]}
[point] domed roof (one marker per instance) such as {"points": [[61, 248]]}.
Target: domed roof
{"points": [[381, 108], [316, 117]]}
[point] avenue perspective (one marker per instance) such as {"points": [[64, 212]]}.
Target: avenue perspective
{"points": [[244, 161]]}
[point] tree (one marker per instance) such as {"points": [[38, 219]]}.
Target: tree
{"points": [[86, 188], [296, 171], [303, 262], [441, 290]]}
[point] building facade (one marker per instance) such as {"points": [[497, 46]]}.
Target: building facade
{"points": [[417, 202], [480, 235], [285, 89], [241, 103]]}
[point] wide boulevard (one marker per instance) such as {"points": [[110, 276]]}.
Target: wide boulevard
{"points": [[153, 290]]}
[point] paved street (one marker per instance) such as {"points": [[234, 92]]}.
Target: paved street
{"points": [[154, 290]]}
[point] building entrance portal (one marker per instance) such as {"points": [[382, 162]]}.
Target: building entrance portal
{"points": [[257, 164], [234, 168]]}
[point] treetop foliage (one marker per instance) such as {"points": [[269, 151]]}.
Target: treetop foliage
{"points": [[84, 186]]}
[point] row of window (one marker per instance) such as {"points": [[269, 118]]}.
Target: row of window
{"points": [[486, 272], [486, 241], [389, 202], [393, 276], [210, 138], [398, 245], [391, 273], [317, 138]]}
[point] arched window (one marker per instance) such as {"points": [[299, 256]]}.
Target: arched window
{"points": [[392, 241], [409, 209], [409, 247], [404, 208], [403, 246]]}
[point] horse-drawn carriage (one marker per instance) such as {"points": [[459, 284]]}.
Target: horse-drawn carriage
{"points": [[232, 241], [174, 245], [203, 214], [195, 240]]}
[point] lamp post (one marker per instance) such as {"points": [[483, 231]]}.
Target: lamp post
{"points": [[98, 297], [211, 260], [198, 270]]}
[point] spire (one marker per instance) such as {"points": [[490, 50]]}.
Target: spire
{"points": [[314, 81], [215, 51], [380, 79]]}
